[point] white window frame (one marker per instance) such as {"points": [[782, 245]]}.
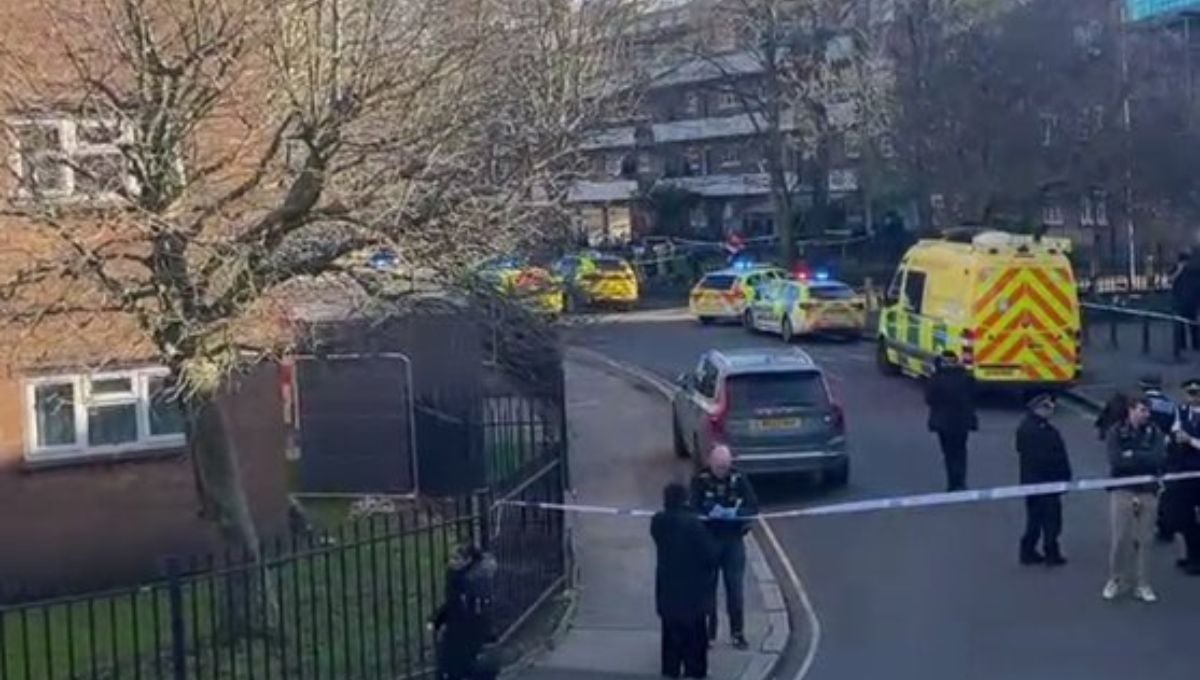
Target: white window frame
{"points": [[727, 100], [80, 383], [726, 157], [71, 149]]}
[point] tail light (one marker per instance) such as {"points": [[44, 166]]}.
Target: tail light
{"points": [[968, 347], [836, 417], [716, 419]]}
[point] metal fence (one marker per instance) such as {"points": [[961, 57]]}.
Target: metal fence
{"points": [[347, 605]]}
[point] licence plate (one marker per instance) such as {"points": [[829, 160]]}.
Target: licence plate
{"points": [[776, 423]]}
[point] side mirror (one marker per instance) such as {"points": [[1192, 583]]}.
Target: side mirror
{"points": [[684, 380]]}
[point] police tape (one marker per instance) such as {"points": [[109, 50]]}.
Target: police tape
{"points": [[895, 503]]}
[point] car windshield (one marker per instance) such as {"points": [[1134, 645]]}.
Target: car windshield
{"points": [[717, 282], [831, 291], [610, 265], [753, 391]]}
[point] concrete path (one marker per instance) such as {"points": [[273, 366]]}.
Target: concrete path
{"points": [[621, 456]]}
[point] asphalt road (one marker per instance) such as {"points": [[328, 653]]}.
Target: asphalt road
{"points": [[937, 593]]}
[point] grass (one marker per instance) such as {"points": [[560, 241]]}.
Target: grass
{"points": [[352, 611]]}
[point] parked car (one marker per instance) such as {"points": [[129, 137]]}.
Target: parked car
{"points": [[593, 279], [772, 407], [808, 305]]}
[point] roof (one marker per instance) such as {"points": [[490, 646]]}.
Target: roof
{"points": [[738, 271], [763, 360]]}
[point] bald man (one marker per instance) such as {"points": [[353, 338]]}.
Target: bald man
{"points": [[724, 497]]}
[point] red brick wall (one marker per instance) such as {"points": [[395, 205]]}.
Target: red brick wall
{"points": [[100, 524]]}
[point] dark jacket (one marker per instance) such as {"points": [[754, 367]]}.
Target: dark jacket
{"points": [[950, 396], [1042, 452], [1185, 289], [732, 492], [1135, 451], [463, 624], [1185, 457], [686, 558]]}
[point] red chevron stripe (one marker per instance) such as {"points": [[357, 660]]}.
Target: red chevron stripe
{"points": [[994, 292], [1054, 290]]}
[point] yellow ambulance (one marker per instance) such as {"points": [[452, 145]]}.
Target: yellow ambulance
{"points": [[1006, 304]]}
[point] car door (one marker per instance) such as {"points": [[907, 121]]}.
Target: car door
{"points": [[765, 312], [694, 402]]}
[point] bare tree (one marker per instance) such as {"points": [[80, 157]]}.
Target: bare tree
{"points": [[807, 76], [259, 143]]}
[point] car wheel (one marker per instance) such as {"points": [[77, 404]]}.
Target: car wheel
{"points": [[569, 305], [705, 320], [786, 331], [838, 476], [886, 367], [681, 450], [748, 320]]}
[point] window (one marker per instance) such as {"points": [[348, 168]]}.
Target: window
{"points": [[1052, 215], [1100, 206], [1049, 126], [728, 100], [70, 159], [914, 291], [693, 161], [691, 104], [706, 380], [717, 282], [797, 389], [79, 415], [1087, 212], [726, 157]]}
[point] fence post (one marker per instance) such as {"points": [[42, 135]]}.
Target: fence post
{"points": [[1112, 332], [483, 508], [1145, 335], [175, 610]]}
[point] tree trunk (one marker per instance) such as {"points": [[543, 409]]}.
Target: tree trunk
{"points": [[223, 498], [223, 501]]}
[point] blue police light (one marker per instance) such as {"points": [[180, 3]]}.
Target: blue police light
{"points": [[742, 264], [822, 275]]}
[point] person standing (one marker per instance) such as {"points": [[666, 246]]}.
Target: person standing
{"points": [[950, 397], [1136, 447], [1185, 298], [1182, 497], [462, 625], [725, 498], [682, 575], [1163, 411], [1043, 458]]}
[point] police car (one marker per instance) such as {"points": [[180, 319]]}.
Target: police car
{"points": [[809, 304], [723, 295]]}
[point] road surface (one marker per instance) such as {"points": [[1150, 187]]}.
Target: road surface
{"points": [[937, 593]]}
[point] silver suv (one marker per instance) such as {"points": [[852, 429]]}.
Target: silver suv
{"points": [[771, 407]]}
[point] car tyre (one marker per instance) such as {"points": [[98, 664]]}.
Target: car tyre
{"points": [[706, 320], [681, 449], [886, 367], [786, 331], [748, 320], [838, 476]]}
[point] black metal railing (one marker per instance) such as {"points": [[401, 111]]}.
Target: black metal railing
{"points": [[344, 605], [1148, 332]]}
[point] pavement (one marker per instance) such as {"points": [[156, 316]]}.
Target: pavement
{"points": [[621, 456], [936, 593], [1116, 355]]}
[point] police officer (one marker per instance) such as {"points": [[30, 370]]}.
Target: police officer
{"points": [[682, 577], [725, 498], [950, 396], [1162, 413], [1043, 458], [1183, 497]]}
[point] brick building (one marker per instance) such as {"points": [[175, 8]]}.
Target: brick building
{"points": [[95, 482]]}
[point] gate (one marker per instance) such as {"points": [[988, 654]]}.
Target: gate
{"points": [[356, 424]]}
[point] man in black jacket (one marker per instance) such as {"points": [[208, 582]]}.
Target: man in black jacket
{"points": [[950, 396], [724, 497], [1043, 459], [1182, 497], [682, 576]]}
